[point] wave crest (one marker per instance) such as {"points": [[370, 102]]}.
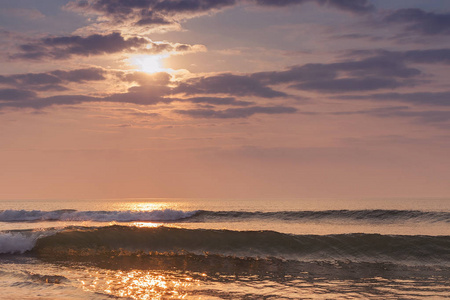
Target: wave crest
{"points": [[96, 216], [12, 243], [170, 215], [356, 247]]}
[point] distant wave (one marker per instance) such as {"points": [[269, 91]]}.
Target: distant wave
{"points": [[116, 240], [97, 216], [361, 215], [169, 215]]}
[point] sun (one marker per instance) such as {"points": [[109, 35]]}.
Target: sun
{"points": [[149, 63]]}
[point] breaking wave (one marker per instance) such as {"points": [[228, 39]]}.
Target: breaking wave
{"points": [[355, 247], [19, 242]]}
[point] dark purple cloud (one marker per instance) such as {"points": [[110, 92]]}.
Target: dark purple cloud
{"points": [[15, 94], [339, 85], [237, 112], [421, 98], [149, 12], [181, 6], [238, 85], [373, 73], [280, 2], [164, 12], [427, 56], [151, 18], [421, 22], [52, 80], [80, 75], [354, 6], [39, 103], [218, 101], [65, 47]]}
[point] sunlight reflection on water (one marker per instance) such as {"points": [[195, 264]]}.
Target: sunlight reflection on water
{"points": [[137, 284]]}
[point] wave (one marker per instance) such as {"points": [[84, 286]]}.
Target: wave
{"points": [[15, 243], [348, 215], [21, 241], [119, 240], [169, 215], [96, 216]]}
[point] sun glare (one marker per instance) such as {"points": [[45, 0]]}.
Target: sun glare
{"points": [[149, 63]]}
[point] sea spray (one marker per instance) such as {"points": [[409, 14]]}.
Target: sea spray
{"points": [[11, 243]]}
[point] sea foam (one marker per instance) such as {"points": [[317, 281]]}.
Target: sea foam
{"points": [[12, 243]]}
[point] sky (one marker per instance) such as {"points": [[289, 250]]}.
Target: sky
{"points": [[224, 99]]}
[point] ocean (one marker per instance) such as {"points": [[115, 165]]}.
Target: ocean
{"points": [[225, 249]]}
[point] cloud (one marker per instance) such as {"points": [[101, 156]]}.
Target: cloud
{"points": [[151, 18], [280, 2], [421, 22], [80, 75], [177, 6], [356, 36], [149, 12], [52, 80], [372, 73], [39, 103], [348, 85], [377, 66], [154, 89], [142, 95], [168, 12], [421, 98], [236, 112], [238, 85], [142, 78], [218, 101], [354, 6], [15, 94], [428, 56], [135, 95], [65, 47]]}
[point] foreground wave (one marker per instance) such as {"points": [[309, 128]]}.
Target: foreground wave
{"points": [[77, 242], [168, 215]]}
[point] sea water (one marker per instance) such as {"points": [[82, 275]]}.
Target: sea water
{"points": [[225, 249]]}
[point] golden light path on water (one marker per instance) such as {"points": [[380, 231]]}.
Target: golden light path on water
{"points": [[143, 206], [140, 284]]}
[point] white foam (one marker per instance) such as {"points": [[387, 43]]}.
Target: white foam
{"points": [[97, 216], [16, 242]]}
